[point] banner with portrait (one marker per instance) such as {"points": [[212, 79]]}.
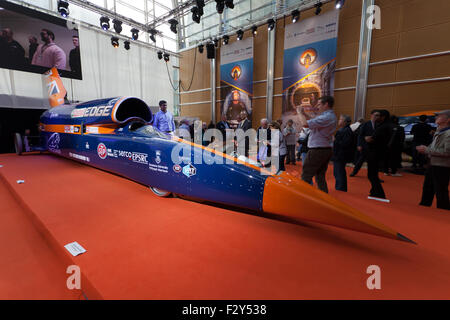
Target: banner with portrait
{"points": [[309, 63], [236, 79]]}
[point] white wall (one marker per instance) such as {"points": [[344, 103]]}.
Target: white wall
{"points": [[107, 72]]}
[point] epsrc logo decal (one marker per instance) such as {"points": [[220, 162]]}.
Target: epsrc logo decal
{"points": [[101, 151], [189, 170]]}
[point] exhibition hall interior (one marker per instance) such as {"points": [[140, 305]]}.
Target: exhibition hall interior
{"points": [[224, 150]]}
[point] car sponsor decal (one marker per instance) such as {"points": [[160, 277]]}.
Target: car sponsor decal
{"points": [[158, 157], [189, 170], [99, 111], [177, 168], [79, 157], [101, 151], [158, 168], [53, 143]]}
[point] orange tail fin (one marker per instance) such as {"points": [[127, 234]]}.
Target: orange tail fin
{"points": [[56, 90]]}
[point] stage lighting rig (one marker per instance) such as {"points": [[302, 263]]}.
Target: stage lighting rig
{"points": [[240, 34], [216, 42], [200, 48], [117, 25], [126, 45], [104, 23], [225, 39], [255, 30], [318, 7], [270, 24], [115, 42], [229, 4], [160, 55], [134, 34], [153, 33], [166, 57], [220, 5], [173, 25], [63, 8], [295, 15], [195, 14], [339, 4]]}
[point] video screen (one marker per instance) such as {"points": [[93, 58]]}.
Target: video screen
{"points": [[33, 41]]}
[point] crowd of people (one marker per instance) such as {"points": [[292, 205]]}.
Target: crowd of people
{"points": [[47, 54], [324, 137]]}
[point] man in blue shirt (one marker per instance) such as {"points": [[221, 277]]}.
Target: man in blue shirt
{"points": [[320, 142], [163, 120]]}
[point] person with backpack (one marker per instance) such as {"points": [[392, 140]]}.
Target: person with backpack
{"points": [[343, 151]]}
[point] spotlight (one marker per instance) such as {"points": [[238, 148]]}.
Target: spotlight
{"points": [[115, 42], [240, 34], [216, 42], [270, 24], [104, 23], [134, 34], [195, 14], [127, 45], [295, 15], [255, 30], [229, 4], [200, 5], [173, 25], [166, 57], [220, 5], [318, 8], [210, 51], [225, 39], [160, 55], [63, 8], [200, 48], [339, 4], [117, 25], [153, 32]]}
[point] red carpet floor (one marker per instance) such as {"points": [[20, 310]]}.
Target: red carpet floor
{"points": [[140, 246]]}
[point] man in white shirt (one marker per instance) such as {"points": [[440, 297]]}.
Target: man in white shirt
{"points": [[164, 119]]}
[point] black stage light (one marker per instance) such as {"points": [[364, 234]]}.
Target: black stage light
{"points": [[134, 34], [153, 33], [295, 15], [173, 25], [270, 24], [63, 8], [240, 34], [166, 57], [318, 8], [210, 50], [339, 4], [255, 30], [200, 5], [200, 48], [104, 23], [225, 39], [229, 4], [220, 5], [160, 55], [126, 45], [115, 42], [216, 42], [195, 14], [117, 25]]}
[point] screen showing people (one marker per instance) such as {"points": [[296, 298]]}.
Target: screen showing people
{"points": [[35, 42]]}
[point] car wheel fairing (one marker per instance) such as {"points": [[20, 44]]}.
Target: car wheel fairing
{"points": [[18, 144], [160, 193]]}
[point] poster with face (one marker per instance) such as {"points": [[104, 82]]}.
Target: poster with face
{"points": [[236, 78], [309, 63]]}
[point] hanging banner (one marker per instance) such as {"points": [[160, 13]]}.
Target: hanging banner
{"points": [[236, 79], [309, 63]]}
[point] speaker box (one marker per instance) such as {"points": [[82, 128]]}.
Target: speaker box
{"points": [[210, 51]]}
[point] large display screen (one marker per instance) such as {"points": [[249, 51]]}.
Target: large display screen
{"points": [[35, 42]]}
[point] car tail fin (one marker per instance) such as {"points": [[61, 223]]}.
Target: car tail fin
{"points": [[55, 87]]}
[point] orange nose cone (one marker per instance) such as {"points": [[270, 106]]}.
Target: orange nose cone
{"points": [[288, 196]]}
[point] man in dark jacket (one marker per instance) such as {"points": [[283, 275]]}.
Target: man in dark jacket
{"points": [[422, 136], [395, 148], [343, 151], [377, 151], [365, 130]]}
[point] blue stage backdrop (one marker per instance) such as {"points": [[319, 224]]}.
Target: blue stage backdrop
{"points": [[309, 63], [236, 78]]}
